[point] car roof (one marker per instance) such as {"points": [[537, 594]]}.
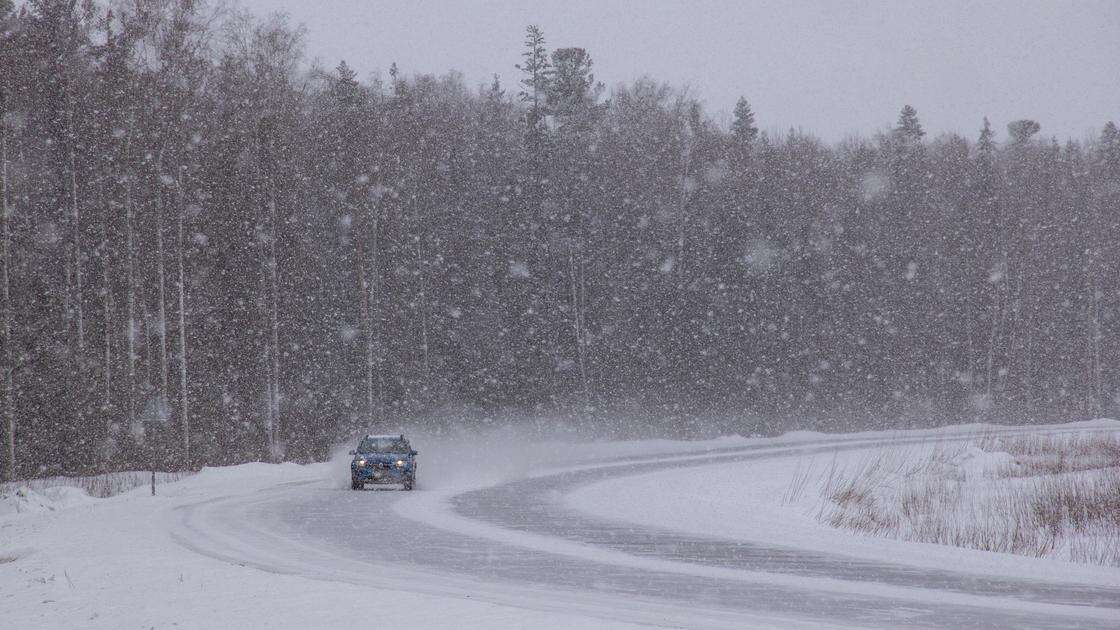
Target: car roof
{"points": [[397, 436]]}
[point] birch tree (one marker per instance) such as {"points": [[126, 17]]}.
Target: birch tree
{"points": [[133, 327], [8, 409], [161, 181], [181, 286]]}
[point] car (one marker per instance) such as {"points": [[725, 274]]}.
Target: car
{"points": [[383, 459]]}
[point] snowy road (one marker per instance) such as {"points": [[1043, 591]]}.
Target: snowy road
{"points": [[517, 544]]}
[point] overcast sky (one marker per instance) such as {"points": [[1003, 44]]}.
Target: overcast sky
{"points": [[831, 68]]}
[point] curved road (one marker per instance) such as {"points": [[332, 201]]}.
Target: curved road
{"points": [[516, 544]]}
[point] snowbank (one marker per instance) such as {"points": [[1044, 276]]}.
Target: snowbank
{"points": [[778, 501], [122, 562], [24, 500]]}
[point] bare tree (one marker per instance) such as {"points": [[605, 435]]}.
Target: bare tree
{"points": [[130, 293], [421, 273], [688, 137], [274, 320], [161, 309], [576, 274], [266, 165], [184, 409], [107, 314], [5, 293], [369, 279], [75, 225]]}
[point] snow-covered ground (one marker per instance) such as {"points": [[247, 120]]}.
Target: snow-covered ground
{"points": [[286, 546], [1037, 495], [778, 501], [101, 486], [115, 564], [68, 560]]}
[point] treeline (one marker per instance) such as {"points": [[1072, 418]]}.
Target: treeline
{"points": [[212, 254]]}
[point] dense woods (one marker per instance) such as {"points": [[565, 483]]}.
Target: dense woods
{"points": [[214, 253]]}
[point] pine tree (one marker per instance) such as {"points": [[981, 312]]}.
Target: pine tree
{"points": [[1022, 130], [538, 77], [986, 147], [909, 128], [741, 142], [990, 263], [351, 130], [572, 85], [1104, 269], [573, 171], [1110, 145], [743, 128]]}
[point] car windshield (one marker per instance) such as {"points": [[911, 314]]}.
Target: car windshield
{"points": [[384, 445]]}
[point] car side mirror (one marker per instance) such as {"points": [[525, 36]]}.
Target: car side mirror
{"points": [[414, 453], [353, 452]]}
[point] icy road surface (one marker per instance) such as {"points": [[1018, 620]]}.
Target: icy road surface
{"points": [[518, 544]]}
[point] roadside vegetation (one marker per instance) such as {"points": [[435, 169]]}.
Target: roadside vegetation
{"points": [[98, 486], [1055, 496]]}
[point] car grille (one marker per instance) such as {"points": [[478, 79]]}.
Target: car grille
{"points": [[380, 465]]}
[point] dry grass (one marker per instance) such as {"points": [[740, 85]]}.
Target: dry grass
{"points": [[1051, 455], [100, 486], [1045, 496]]}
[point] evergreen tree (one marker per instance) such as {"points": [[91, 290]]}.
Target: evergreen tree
{"points": [[572, 86], [743, 128], [538, 73], [1110, 145], [1022, 130], [909, 128]]}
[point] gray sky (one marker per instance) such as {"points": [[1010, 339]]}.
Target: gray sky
{"points": [[831, 68]]}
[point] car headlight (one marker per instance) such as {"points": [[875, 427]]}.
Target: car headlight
{"points": [[360, 462], [400, 463]]}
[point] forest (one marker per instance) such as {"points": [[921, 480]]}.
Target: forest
{"points": [[217, 251]]}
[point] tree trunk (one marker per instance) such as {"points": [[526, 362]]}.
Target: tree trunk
{"points": [[1095, 380], [149, 363], [5, 293], [107, 314], [182, 286], [274, 325], [131, 297], [163, 374], [269, 417], [367, 329], [423, 315], [993, 336], [575, 276], [374, 297], [76, 245], [682, 205]]}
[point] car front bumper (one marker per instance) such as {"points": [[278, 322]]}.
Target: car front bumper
{"points": [[390, 474]]}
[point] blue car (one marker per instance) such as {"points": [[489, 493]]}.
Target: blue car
{"points": [[383, 459]]}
